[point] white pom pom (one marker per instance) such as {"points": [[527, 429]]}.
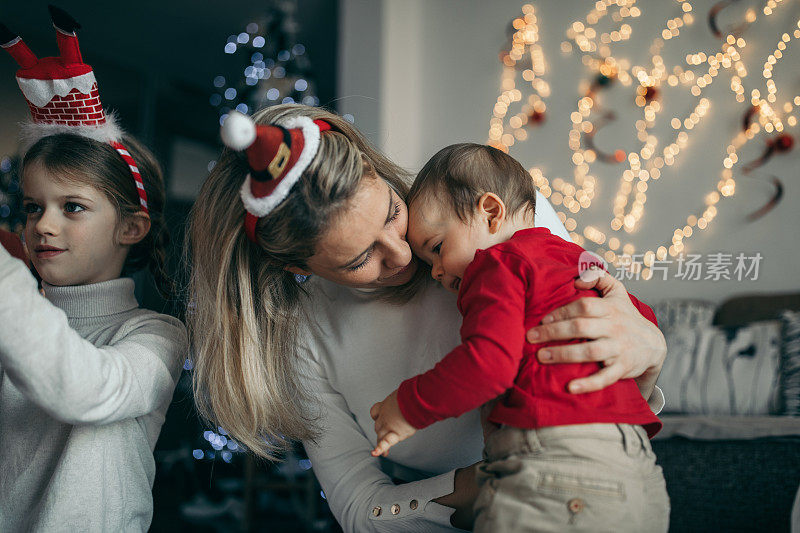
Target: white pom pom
{"points": [[238, 131]]}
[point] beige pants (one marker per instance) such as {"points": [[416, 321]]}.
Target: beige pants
{"points": [[591, 477]]}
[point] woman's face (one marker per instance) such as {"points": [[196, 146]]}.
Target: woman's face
{"points": [[365, 245]]}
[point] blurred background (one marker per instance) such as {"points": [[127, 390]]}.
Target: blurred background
{"points": [[663, 133]]}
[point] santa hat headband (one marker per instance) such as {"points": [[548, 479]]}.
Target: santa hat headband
{"points": [[277, 155], [62, 93]]}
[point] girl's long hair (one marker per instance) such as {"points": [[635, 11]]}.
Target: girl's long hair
{"points": [[78, 159], [244, 306]]}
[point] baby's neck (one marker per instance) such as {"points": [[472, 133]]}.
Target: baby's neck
{"points": [[518, 222]]}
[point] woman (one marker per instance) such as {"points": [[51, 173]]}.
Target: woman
{"points": [[277, 360]]}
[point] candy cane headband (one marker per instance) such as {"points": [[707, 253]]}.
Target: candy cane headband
{"points": [[62, 93], [277, 155]]}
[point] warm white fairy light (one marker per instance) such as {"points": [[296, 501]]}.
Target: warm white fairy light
{"points": [[726, 185], [523, 41], [767, 119], [648, 80], [648, 162]]}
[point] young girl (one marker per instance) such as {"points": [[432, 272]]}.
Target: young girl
{"points": [[558, 459], [86, 376]]}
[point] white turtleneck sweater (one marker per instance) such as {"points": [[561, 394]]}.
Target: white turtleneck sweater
{"points": [[86, 378]]}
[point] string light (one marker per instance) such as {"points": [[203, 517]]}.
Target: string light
{"points": [[768, 120], [649, 161], [524, 44], [609, 68]]}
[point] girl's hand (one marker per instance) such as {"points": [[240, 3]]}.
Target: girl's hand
{"points": [[629, 345], [390, 424]]}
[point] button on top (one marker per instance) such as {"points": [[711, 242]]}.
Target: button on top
{"points": [[413, 505], [576, 505], [376, 511], [395, 509]]}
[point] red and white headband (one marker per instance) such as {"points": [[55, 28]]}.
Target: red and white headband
{"points": [[277, 155], [62, 93]]}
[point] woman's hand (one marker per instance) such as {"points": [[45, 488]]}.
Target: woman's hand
{"points": [[628, 345], [462, 499], [390, 424]]}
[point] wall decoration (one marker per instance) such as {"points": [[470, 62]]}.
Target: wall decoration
{"points": [[596, 40]]}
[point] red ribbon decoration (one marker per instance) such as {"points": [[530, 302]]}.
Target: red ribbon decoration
{"points": [[618, 156], [777, 145]]}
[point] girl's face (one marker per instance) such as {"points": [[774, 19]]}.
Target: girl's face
{"points": [[365, 245], [70, 230]]}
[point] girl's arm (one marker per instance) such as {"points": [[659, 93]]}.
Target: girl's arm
{"points": [[70, 378], [359, 493], [13, 244], [629, 344]]}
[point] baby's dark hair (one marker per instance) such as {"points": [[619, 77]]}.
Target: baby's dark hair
{"points": [[461, 173], [78, 159]]}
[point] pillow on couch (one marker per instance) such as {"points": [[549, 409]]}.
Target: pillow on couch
{"points": [[790, 363], [711, 370], [673, 313]]}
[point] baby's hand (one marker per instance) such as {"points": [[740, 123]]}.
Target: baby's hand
{"points": [[390, 424]]}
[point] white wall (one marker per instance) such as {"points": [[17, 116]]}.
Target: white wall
{"points": [[438, 79], [360, 46]]}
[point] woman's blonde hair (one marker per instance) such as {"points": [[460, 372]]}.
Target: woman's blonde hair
{"points": [[244, 306]]}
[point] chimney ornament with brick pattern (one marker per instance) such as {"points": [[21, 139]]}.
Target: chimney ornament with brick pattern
{"points": [[62, 93]]}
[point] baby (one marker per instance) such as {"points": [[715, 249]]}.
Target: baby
{"points": [[558, 458]]}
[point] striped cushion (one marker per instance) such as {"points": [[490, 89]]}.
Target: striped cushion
{"points": [[684, 313], [711, 370], [790, 363]]}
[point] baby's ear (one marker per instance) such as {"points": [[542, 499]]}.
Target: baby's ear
{"points": [[134, 228], [493, 210]]}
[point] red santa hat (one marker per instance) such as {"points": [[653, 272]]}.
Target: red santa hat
{"points": [[277, 155], [62, 93]]}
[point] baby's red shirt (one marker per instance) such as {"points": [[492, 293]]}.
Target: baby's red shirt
{"points": [[506, 290]]}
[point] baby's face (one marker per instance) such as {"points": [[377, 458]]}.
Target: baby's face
{"points": [[448, 244]]}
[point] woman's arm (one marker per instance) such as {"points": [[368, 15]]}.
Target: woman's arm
{"points": [[361, 496], [66, 375], [629, 345]]}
